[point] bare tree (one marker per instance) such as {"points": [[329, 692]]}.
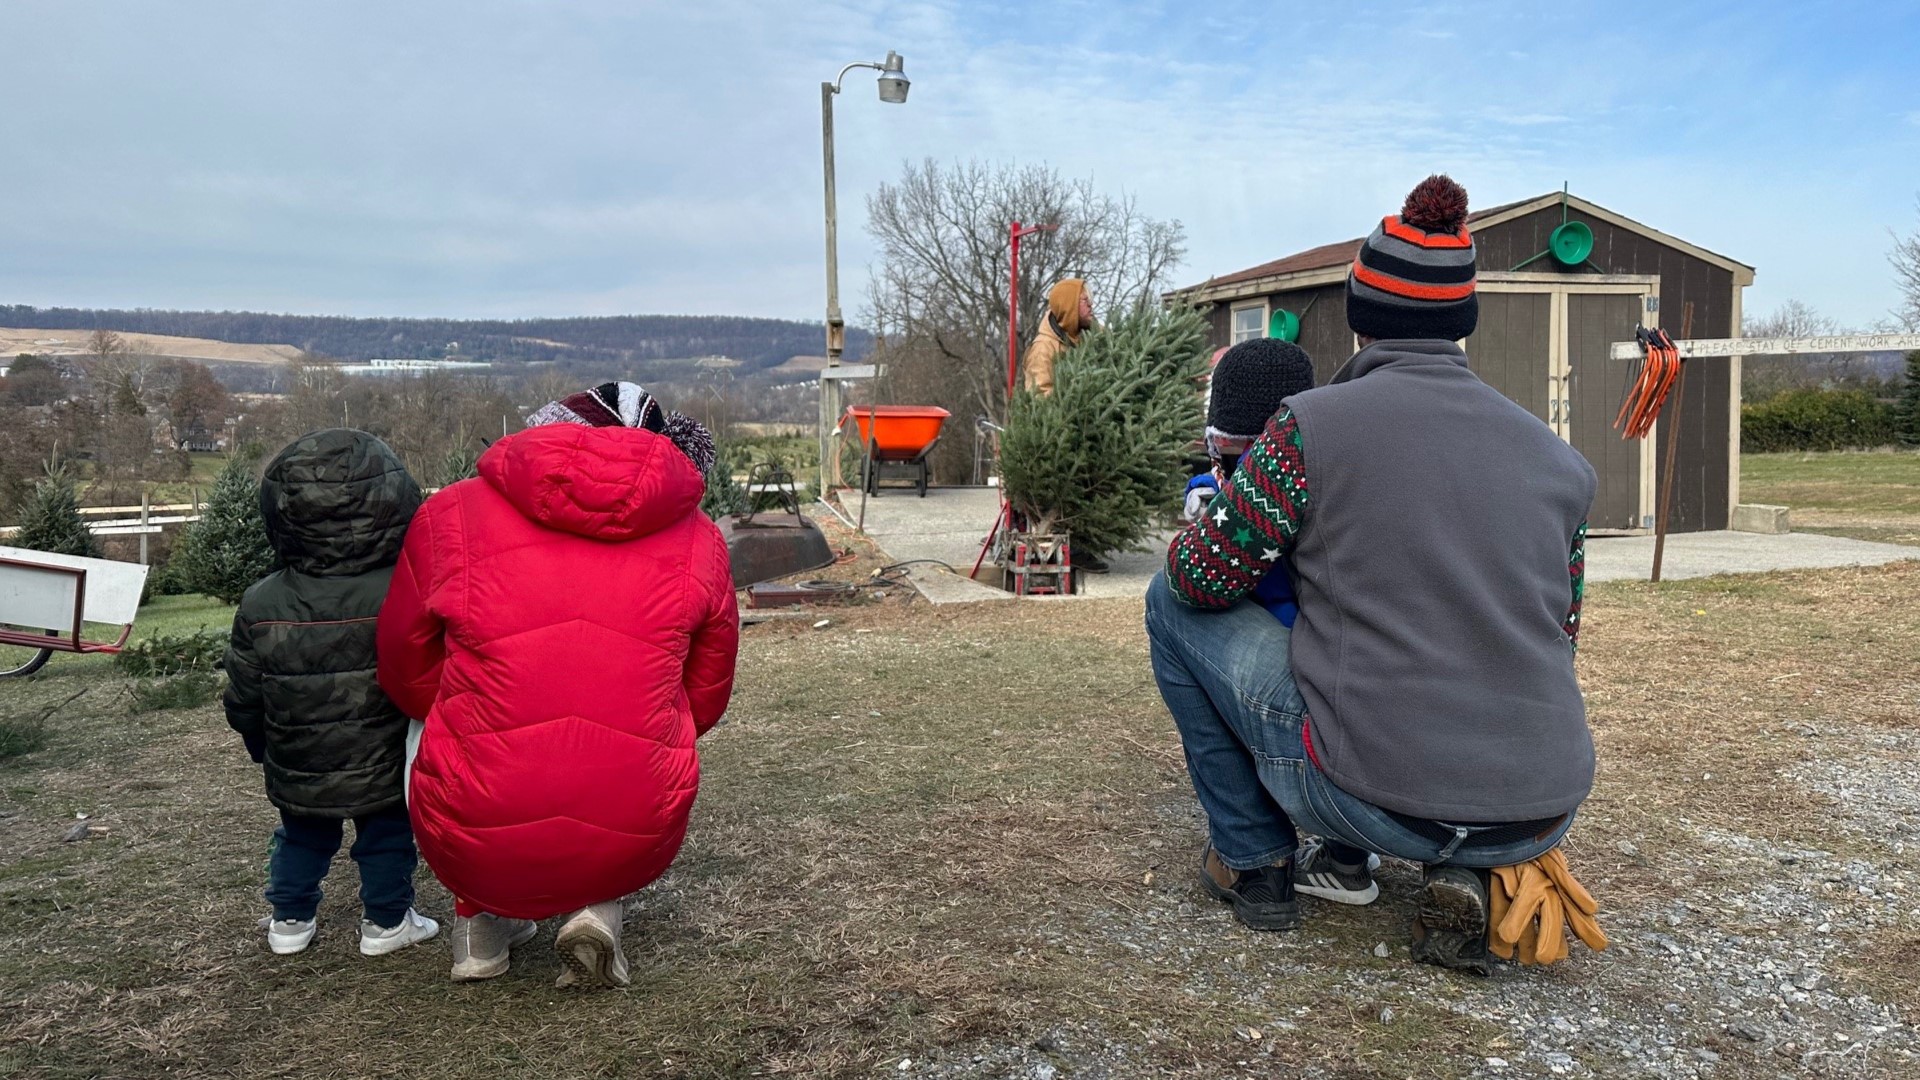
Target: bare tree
{"points": [[1905, 258], [1762, 377], [939, 296]]}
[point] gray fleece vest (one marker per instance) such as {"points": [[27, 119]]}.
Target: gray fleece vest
{"points": [[1433, 582]]}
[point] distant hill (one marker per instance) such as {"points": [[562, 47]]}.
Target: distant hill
{"points": [[758, 343]]}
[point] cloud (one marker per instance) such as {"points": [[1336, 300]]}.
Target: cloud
{"points": [[490, 157]]}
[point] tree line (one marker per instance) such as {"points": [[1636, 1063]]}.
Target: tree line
{"points": [[759, 343]]}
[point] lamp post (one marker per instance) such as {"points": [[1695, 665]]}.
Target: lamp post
{"points": [[893, 90]]}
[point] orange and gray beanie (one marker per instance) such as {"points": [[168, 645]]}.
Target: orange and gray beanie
{"points": [[1414, 276]]}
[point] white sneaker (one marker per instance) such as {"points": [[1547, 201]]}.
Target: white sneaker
{"points": [[412, 929], [483, 945], [589, 946], [288, 936]]}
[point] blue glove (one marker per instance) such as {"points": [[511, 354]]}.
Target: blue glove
{"points": [[256, 747]]}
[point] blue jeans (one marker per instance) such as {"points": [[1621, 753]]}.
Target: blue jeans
{"points": [[303, 850], [1227, 679]]}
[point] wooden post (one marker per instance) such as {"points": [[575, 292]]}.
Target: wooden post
{"points": [[145, 507], [1673, 452]]}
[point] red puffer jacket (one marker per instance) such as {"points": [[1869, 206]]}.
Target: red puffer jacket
{"points": [[565, 624]]}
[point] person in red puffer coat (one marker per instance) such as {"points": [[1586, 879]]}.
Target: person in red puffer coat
{"points": [[565, 626]]}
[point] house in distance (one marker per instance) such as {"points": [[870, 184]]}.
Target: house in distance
{"points": [[1560, 279]]}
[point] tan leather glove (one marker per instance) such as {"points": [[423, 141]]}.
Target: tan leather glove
{"points": [[1530, 907]]}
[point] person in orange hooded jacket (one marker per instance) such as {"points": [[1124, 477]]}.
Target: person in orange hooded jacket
{"points": [[1069, 312]]}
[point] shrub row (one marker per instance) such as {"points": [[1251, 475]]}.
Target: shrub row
{"points": [[1805, 420]]}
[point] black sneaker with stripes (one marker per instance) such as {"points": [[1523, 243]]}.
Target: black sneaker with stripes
{"points": [[1317, 872]]}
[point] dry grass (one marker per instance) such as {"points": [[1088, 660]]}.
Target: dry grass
{"points": [[926, 833]]}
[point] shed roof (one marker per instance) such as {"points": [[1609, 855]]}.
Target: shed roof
{"points": [[1283, 271]]}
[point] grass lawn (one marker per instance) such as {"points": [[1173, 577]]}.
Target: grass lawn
{"points": [[963, 838], [1871, 495]]}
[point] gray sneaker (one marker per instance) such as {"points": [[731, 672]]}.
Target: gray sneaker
{"points": [[589, 946], [483, 945]]}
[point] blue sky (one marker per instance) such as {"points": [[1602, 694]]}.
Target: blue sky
{"points": [[493, 158]]}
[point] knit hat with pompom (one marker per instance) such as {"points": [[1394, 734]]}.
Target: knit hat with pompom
{"points": [[1414, 276]]}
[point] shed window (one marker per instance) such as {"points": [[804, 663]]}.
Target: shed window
{"points": [[1249, 322]]}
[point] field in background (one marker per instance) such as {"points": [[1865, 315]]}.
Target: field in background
{"points": [[16, 340], [1868, 495]]}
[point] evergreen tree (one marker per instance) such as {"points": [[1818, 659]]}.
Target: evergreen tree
{"points": [[52, 521], [226, 550], [1101, 457], [1906, 414], [723, 497]]}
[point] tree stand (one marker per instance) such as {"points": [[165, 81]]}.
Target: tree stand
{"points": [[1037, 564]]}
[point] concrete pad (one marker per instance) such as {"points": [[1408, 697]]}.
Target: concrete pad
{"points": [[1695, 555], [950, 523]]}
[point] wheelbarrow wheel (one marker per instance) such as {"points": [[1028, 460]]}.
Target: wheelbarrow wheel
{"points": [[12, 666]]}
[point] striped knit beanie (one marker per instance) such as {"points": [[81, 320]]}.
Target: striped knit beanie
{"points": [[1413, 277], [625, 404]]}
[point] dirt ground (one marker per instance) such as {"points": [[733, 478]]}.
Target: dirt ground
{"points": [[960, 842]]}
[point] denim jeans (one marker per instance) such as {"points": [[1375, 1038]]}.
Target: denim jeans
{"points": [[1227, 679], [303, 850]]}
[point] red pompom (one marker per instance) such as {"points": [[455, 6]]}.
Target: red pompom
{"points": [[1437, 205]]}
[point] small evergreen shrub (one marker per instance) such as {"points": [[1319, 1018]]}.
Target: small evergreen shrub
{"points": [[226, 551], [173, 654]]}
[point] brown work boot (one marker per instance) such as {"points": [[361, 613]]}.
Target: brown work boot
{"points": [[1450, 930], [1262, 898]]}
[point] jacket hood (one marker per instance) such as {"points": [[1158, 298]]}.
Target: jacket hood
{"points": [[1410, 352], [1063, 303], [337, 502], [610, 483]]}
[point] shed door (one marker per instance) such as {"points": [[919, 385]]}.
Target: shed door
{"points": [[1510, 346], [1594, 388]]}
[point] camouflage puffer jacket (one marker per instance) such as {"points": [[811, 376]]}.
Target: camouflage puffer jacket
{"points": [[302, 690]]}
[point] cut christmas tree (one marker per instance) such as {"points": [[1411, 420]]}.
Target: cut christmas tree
{"points": [[1100, 458]]}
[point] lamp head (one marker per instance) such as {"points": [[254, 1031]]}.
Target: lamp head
{"points": [[893, 80]]}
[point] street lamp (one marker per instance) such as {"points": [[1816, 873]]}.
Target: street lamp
{"points": [[893, 90]]}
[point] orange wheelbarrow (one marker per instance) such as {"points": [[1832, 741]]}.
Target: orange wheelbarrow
{"points": [[898, 437]]}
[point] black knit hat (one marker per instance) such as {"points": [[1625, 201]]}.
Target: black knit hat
{"points": [[1414, 276], [1249, 383]]}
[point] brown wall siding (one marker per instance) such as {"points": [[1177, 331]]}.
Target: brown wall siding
{"points": [[1220, 321], [1700, 488], [1323, 327]]}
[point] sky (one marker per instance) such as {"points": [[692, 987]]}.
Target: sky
{"points": [[510, 158]]}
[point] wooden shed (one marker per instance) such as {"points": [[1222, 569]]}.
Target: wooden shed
{"points": [[1542, 341]]}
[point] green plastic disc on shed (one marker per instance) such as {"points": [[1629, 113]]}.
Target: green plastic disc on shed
{"points": [[1571, 244], [1283, 324]]}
